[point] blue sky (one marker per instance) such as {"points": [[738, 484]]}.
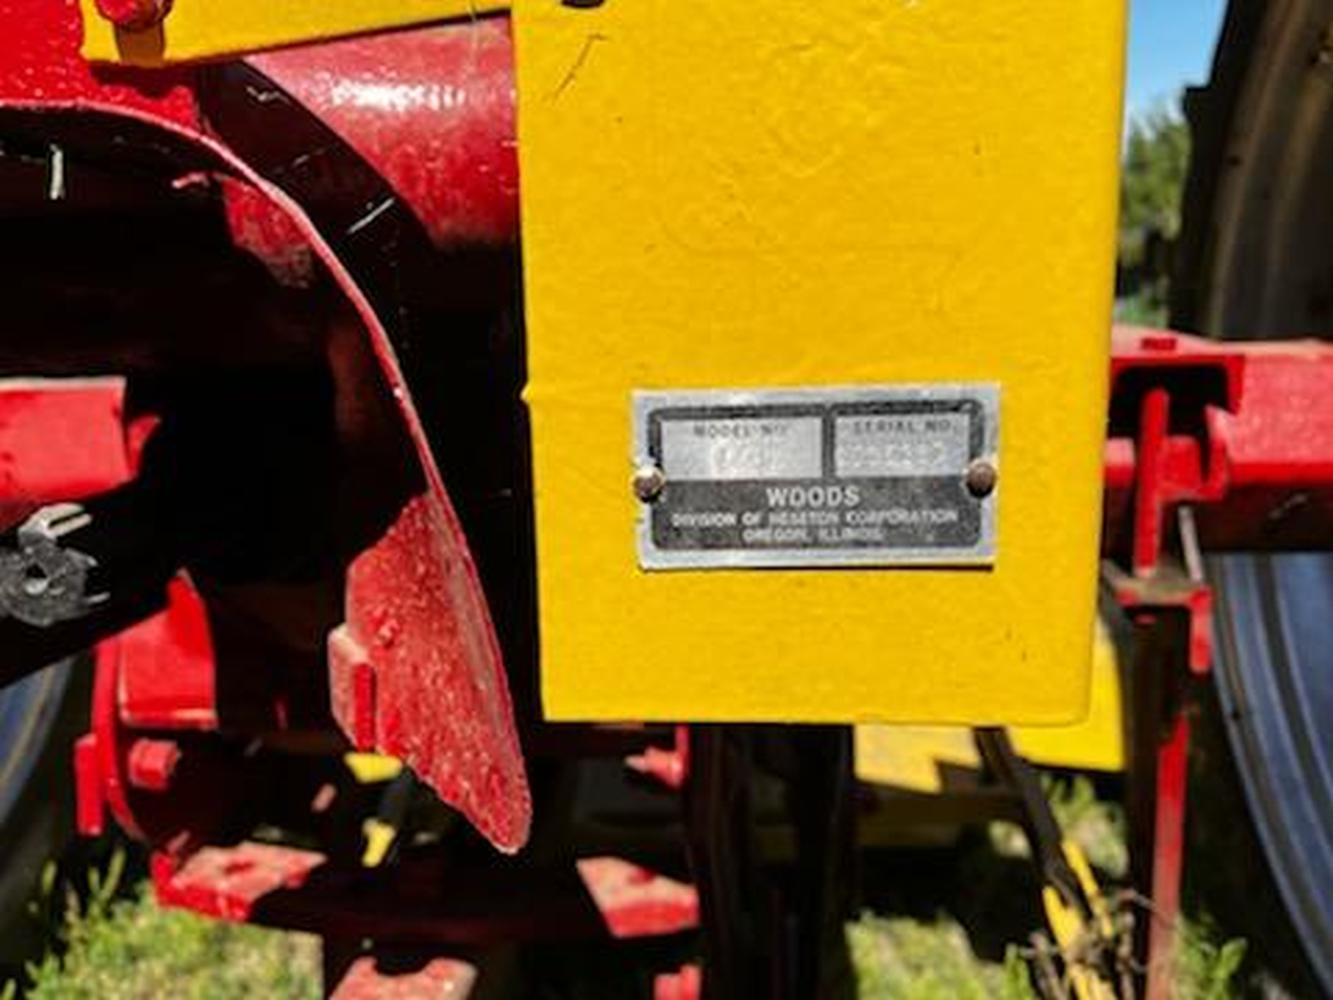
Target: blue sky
{"points": [[1170, 45]]}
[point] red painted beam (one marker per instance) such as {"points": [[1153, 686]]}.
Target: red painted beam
{"points": [[1248, 439], [60, 439]]}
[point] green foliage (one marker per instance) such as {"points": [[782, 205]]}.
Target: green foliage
{"points": [[1096, 825], [1152, 182], [129, 949], [1206, 969], [1152, 178], [1146, 307], [898, 957], [1017, 983]]}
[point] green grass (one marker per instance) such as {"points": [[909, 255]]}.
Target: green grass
{"points": [[115, 944], [929, 960], [924, 958], [115, 947], [1207, 967], [932, 960], [1097, 826], [131, 949]]}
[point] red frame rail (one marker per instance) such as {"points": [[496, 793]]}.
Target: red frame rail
{"points": [[1211, 446]]}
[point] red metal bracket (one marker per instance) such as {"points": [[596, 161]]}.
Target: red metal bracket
{"points": [[367, 978], [423, 901], [1168, 393], [1236, 440]]}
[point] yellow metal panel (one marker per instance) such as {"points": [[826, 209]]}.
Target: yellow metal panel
{"points": [[792, 194], [211, 29], [918, 757], [913, 757], [1095, 744]]}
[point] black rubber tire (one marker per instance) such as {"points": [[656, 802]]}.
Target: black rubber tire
{"points": [[40, 718], [1254, 261], [1275, 694]]}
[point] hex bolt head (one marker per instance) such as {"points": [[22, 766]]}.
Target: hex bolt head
{"points": [[649, 482], [134, 15], [981, 478]]}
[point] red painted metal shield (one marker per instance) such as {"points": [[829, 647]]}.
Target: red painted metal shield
{"points": [[405, 677], [417, 620]]}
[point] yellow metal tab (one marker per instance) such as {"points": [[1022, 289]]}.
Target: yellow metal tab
{"points": [[379, 839], [212, 29], [1095, 744], [915, 758], [1077, 938], [798, 195], [918, 757], [372, 768]]}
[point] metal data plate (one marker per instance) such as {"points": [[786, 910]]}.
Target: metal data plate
{"points": [[849, 476]]}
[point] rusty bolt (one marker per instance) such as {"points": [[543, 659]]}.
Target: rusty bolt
{"points": [[649, 482], [134, 15], [981, 478]]}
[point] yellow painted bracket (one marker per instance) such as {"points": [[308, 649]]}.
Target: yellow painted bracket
{"points": [[1097, 742], [917, 757], [379, 839], [1073, 934], [197, 30], [372, 768]]}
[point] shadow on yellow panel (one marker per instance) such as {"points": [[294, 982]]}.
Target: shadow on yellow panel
{"points": [[918, 758]]}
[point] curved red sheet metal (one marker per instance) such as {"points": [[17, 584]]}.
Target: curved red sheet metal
{"points": [[432, 110], [415, 608]]}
